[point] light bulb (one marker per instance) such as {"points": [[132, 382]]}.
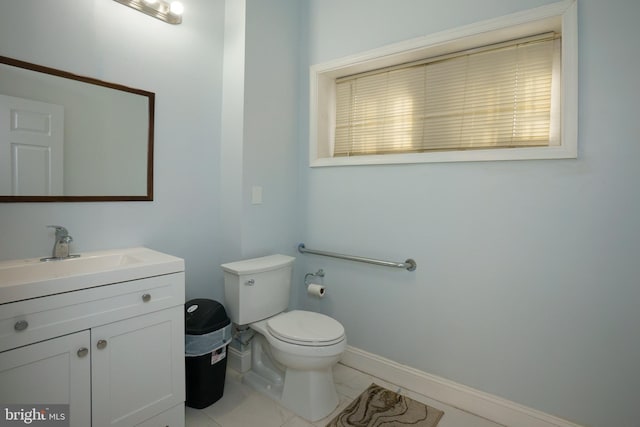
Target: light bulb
{"points": [[176, 8]]}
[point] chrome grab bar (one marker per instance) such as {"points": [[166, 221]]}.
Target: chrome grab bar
{"points": [[409, 264]]}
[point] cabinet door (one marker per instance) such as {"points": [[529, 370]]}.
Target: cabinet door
{"points": [[56, 371], [138, 368]]}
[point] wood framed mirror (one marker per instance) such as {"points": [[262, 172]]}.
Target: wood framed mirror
{"points": [[71, 138]]}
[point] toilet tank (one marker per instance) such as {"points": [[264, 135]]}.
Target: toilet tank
{"points": [[257, 288]]}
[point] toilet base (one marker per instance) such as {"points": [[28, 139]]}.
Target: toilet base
{"points": [[310, 394]]}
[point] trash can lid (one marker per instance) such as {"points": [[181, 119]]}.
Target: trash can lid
{"points": [[202, 316]]}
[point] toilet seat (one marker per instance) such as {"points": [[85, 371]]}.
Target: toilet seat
{"points": [[306, 328]]}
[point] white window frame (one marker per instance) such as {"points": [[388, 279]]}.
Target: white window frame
{"points": [[561, 17]]}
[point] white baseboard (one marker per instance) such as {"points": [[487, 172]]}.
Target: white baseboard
{"points": [[483, 404]]}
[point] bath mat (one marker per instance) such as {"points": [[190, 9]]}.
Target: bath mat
{"points": [[377, 407]]}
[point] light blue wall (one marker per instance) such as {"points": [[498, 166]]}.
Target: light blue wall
{"points": [[259, 128], [182, 65], [527, 284], [270, 127]]}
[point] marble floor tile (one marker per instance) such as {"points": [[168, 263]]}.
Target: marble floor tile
{"points": [[241, 406], [453, 417], [296, 421], [350, 382], [343, 403], [197, 418]]}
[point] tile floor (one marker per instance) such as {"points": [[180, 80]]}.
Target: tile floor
{"points": [[241, 406]]}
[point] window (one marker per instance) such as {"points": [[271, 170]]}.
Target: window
{"points": [[495, 97], [504, 89]]}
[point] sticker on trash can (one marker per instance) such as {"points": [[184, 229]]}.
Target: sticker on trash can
{"points": [[192, 308], [218, 355]]}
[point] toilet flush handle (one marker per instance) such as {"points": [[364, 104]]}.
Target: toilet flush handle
{"points": [[250, 282]]}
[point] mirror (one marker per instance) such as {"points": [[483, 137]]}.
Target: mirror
{"points": [[70, 138]]}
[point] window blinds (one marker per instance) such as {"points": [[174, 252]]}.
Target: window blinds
{"points": [[493, 97]]}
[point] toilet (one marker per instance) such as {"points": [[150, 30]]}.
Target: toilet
{"points": [[292, 353]]}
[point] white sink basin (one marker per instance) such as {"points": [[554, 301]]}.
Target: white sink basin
{"points": [[33, 278], [32, 270]]}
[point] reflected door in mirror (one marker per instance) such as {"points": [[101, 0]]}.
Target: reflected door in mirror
{"points": [[31, 147]]}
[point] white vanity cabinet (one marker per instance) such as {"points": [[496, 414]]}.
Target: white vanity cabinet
{"points": [[137, 368], [113, 352], [52, 371]]}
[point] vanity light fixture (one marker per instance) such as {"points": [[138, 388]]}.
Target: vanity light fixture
{"points": [[160, 9]]}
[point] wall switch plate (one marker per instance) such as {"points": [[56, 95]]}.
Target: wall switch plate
{"points": [[256, 195]]}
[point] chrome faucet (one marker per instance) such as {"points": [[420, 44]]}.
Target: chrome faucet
{"points": [[61, 246]]}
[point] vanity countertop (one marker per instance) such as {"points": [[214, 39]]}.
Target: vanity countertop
{"points": [[32, 278]]}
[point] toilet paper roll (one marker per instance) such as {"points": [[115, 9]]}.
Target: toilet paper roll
{"points": [[316, 290]]}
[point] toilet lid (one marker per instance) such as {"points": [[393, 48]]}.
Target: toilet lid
{"points": [[306, 328]]}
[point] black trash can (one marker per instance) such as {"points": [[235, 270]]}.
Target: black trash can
{"points": [[208, 334]]}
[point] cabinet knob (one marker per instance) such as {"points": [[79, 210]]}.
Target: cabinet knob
{"points": [[83, 352], [21, 325], [146, 297], [250, 282], [101, 344]]}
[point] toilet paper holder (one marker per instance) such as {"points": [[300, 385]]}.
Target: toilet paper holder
{"points": [[319, 273]]}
